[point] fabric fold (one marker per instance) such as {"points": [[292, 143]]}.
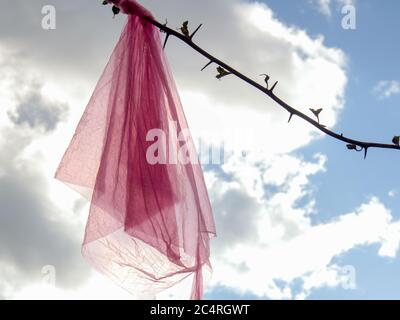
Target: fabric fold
{"points": [[150, 220]]}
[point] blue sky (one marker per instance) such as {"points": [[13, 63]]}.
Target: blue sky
{"points": [[294, 213], [373, 55], [372, 51]]}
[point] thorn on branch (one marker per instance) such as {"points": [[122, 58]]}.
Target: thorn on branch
{"points": [[206, 65], [166, 39], [266, 78], [365, 152], [290, 117], [222, 73], [316, 112], [194, 32], [273, 87]]}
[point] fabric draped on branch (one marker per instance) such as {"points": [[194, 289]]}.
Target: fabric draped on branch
{"points": [[149, 224]]}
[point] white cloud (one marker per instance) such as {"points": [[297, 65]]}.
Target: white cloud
{"points": [[97, 288], [325, 6], [392, 193], [331, 276], [386, 89], [286, 246]]}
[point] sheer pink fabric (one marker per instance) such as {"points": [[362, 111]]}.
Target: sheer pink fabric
{"points": [[149, 225]]}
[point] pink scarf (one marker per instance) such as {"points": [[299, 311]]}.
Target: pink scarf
{"points": [[150, 223]]}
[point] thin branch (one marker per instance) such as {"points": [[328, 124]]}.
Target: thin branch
{"points": [[363, 145]]}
